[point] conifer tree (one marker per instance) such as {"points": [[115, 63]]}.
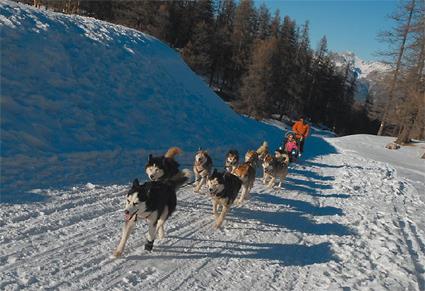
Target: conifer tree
{"points": [[242, 37]]}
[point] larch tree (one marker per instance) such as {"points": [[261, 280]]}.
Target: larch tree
{"points": [[398, 36]]}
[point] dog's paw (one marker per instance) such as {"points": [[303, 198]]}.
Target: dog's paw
{"points": [[149, 246]]}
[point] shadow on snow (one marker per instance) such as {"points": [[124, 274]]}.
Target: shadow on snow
{"points": [[285, 254], [299, 205]]}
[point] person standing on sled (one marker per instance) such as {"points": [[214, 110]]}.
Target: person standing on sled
{"points": [[301, 130]]}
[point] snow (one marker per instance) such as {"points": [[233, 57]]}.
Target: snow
{"points": [[340, 222], [407, 160], [87, 101], [349, 216], [90, 186], [367, 73], [362, 67]]}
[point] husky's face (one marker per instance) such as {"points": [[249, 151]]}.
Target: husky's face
{"points": [[215, 183], [153, 168], [135, 200], [250, 156], [232, 158], [201, 157], [267, 162], [282, 156]]}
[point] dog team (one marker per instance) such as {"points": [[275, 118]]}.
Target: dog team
{"points": [[156, 200]]}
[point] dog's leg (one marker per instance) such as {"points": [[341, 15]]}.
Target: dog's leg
{"points": [[197, 181], [126, 231], [248, 192], [282, 179], [271, 183], [243, 194], [152, 221], [220, 219], [264, 177], [201, 183], [160, 223], [214, 208]]}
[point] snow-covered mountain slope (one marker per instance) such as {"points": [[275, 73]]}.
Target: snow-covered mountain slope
{"points": [[340, 222], [367, 73], [84, 100], [361, 67]]}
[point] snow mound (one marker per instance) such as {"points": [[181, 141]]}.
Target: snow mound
{"points": [[84, 100]]}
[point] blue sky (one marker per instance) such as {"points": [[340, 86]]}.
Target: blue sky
{"points": [[349, 25]]}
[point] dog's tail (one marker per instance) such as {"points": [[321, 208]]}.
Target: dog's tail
{"points": [[173, 152], [180, 178], [263, 148]]}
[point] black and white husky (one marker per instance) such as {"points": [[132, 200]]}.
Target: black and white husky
{"points": [[154, 201], [163, 167], [223, 188]]}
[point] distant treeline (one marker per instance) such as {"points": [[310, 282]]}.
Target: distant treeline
{"points": [[260, 62]]}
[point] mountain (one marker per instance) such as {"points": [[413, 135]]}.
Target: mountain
{"points": [[86, 100], [367, 73]]}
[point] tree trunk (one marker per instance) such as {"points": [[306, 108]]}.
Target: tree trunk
{"points": [[404, 136], [397, 70]]}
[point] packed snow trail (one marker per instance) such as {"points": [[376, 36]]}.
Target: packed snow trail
{"points": [[339, 222]]}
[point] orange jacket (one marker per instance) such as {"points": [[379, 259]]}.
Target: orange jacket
{"points": [[300, 129]]}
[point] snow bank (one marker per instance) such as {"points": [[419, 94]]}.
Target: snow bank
{"points": [[84, 100], [407, 160]]}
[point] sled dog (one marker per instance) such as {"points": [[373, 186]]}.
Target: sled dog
{"points": [[246, 173], [275, 168], [153, 201], [223, 188], [232, 160], [251, 157], [263, 150], [163, 167], [202, 168]]}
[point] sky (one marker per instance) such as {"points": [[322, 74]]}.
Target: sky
{"points": [[349, 25]]}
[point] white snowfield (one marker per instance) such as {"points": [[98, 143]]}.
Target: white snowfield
{"points": [[340, 222]]}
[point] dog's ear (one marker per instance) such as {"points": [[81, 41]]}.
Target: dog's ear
{"points": [[136, 183], [150, 158]]}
